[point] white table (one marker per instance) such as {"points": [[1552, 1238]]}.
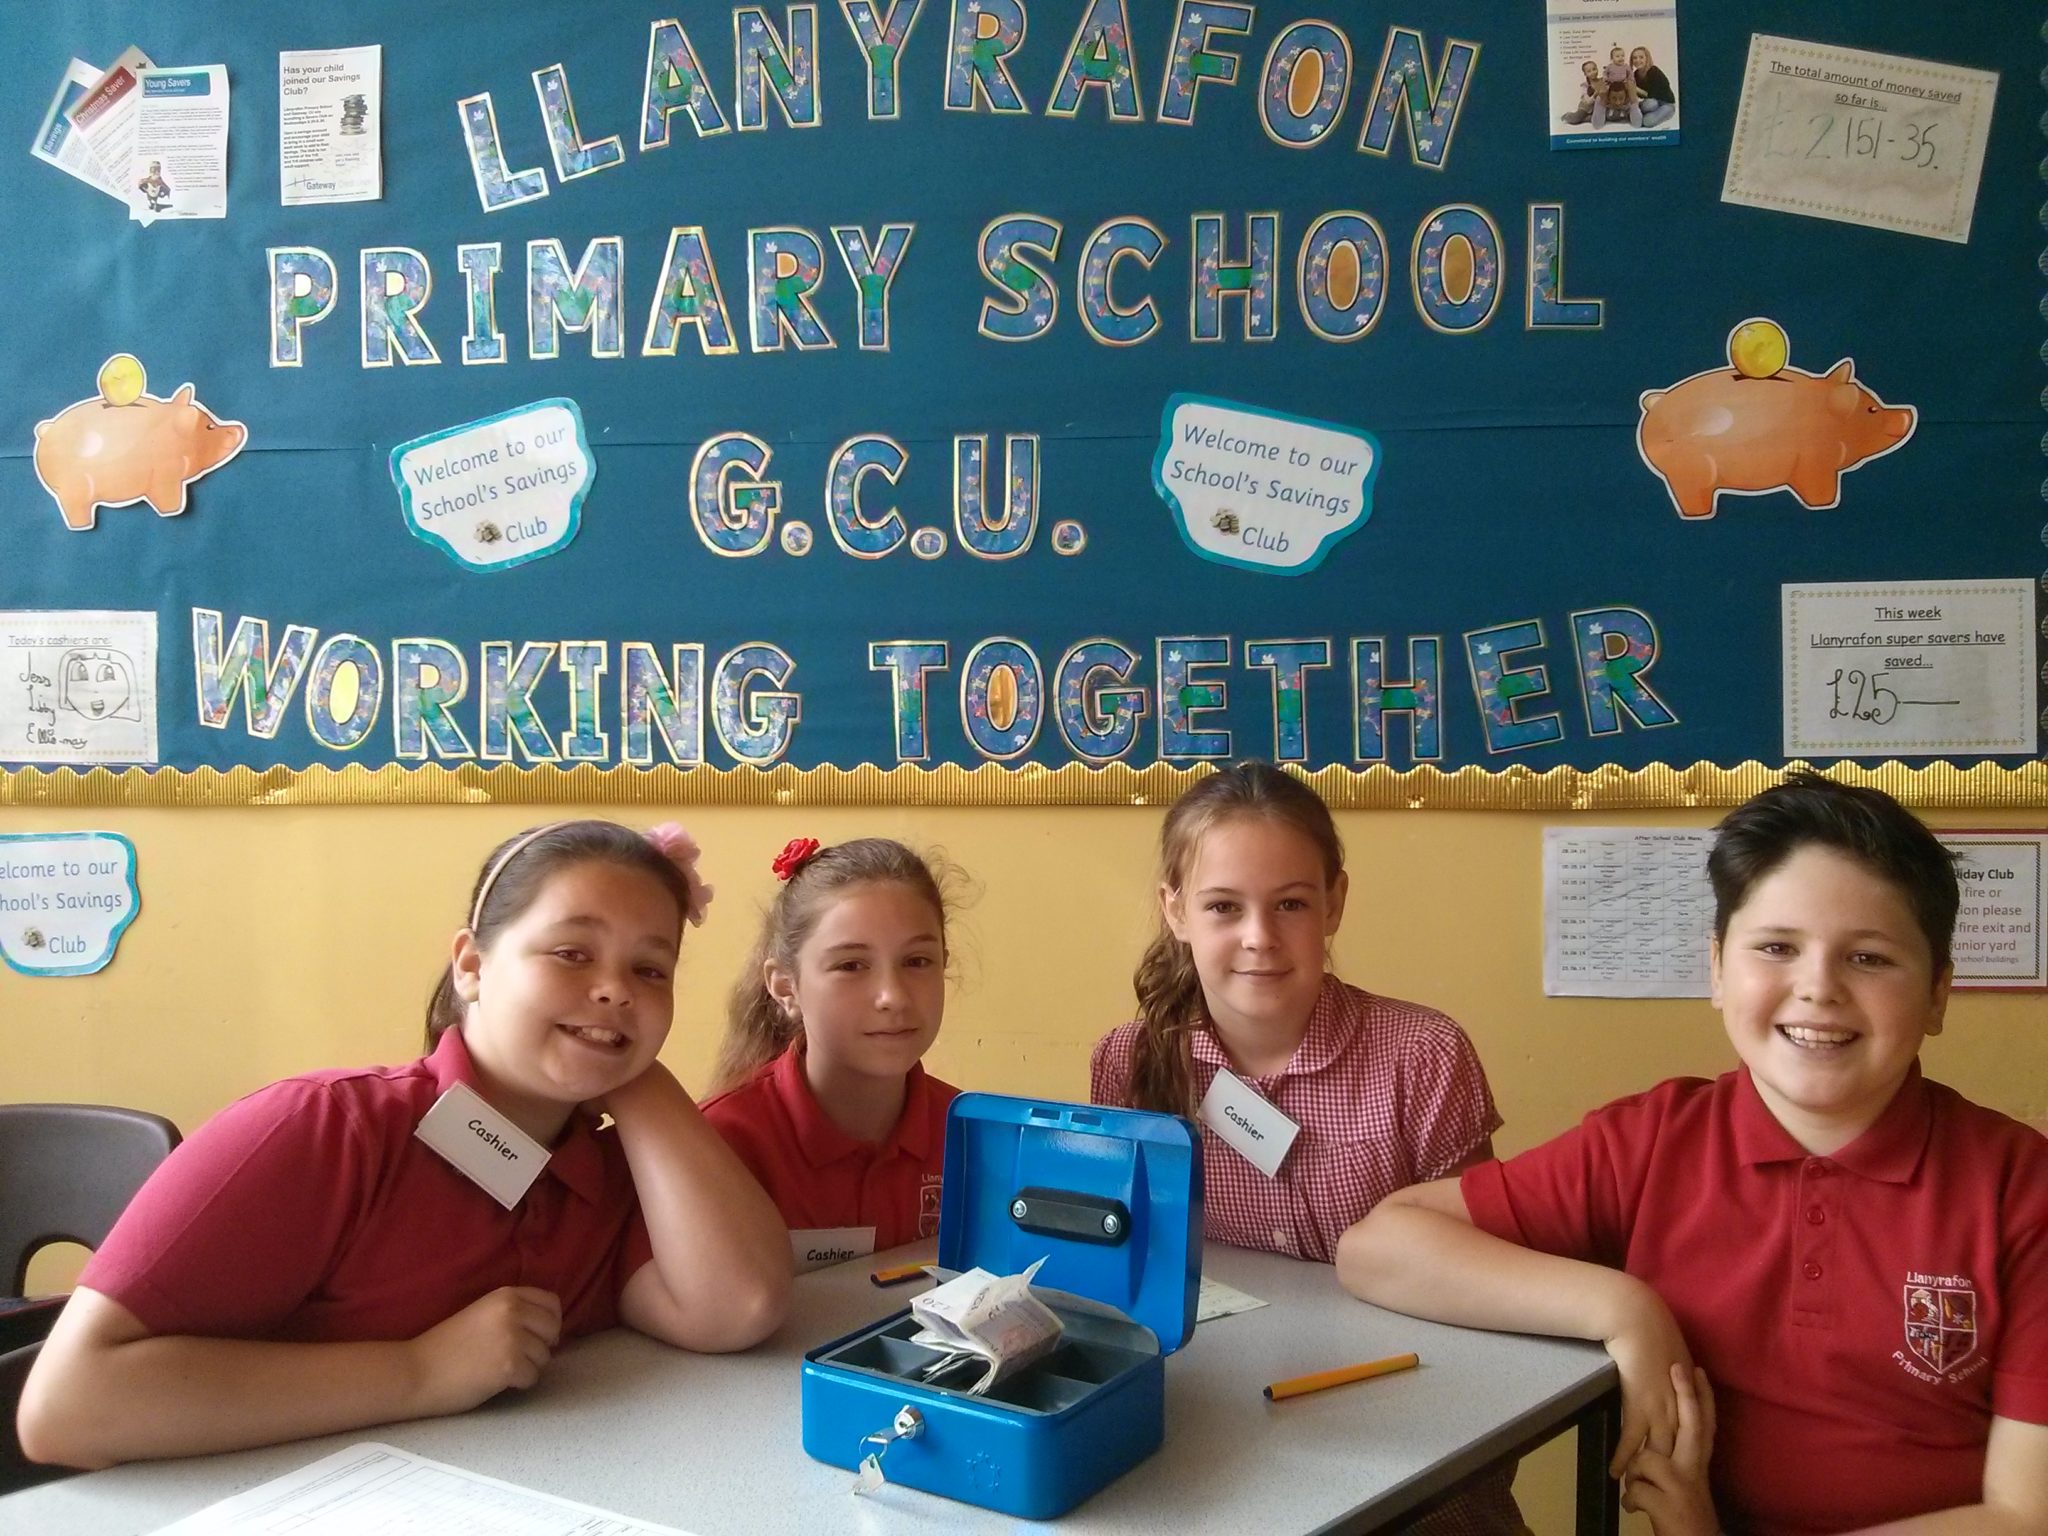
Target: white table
{"points": [[712, 1444]]}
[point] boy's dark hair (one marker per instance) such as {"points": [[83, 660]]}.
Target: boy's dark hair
{"points": [[1866, 824]]}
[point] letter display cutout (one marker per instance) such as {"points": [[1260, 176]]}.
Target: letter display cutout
{"points": [[1002, 402]]}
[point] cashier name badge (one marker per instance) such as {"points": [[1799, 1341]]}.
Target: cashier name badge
{"points": [[1258, 1132], [482, 1145], [816, 1247]]}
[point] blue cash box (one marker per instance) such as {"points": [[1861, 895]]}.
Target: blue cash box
{"points": [[1111, 1199]]}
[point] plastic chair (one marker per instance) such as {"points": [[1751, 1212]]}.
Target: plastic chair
{"points": [[16, 1470], [66, 1172]]}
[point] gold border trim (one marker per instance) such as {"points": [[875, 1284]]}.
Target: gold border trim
{"points": [[1660, 786]]}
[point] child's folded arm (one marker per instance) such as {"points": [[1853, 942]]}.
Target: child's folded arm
{"points": [[107, 1390], [720, 1277], [2015, 1490], [1418, 1252]]}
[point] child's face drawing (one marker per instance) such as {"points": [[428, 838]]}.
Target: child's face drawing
{"points": [[869, 984], [1257, 917], [1826, 987], [573, 999], [98, 685]]}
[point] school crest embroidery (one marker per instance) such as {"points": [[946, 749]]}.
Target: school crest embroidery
{"points": [[1941, 1322]]}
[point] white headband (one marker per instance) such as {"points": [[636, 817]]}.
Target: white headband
{"points": [[517, 847]]}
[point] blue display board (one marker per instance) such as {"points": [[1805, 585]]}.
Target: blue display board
{"points": [[1015, 383]]}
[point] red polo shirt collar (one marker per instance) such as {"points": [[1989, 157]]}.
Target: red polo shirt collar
{"points": [[1889, 1151], [576, 1161], [822, 1143], [1321, 1043]]}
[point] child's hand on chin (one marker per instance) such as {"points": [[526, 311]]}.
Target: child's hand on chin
{"points": [[1672, 1490], [626, 1095], [500, 1340]]}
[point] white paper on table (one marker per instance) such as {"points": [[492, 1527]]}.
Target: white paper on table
{"points": [[373, 1487], [78, 686], [330, 125], [58, 141], [1626, 911], [179, 168], [1909, 667], [1861, 138], [1219, 1300], [105, 115]]}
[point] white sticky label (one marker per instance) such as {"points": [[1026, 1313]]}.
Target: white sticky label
{"points": [[482, 1145], [816, 1247], [1255, 1130]]}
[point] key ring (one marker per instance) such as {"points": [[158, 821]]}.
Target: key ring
{"points": [[908, 1426]]}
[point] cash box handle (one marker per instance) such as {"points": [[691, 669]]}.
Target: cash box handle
{"points": [[1070, 1214]]}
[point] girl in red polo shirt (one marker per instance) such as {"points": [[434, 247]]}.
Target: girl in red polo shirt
{"points": [[820, 1086], [1316, 1098], [326, 1253]]}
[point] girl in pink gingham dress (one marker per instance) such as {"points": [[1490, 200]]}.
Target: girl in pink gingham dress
{"points": [[1385, 1093]]}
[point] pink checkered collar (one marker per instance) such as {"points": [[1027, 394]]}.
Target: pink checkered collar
{"points": [[1331, 1023]]}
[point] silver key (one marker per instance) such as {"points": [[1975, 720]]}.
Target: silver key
{"points": [[909, 1424]]}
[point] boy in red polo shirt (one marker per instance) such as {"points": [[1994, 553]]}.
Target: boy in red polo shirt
{"points": [[821, 1088], [1856, 1257]]}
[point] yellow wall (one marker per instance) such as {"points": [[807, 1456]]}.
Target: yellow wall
{"points": [[272, 941]]}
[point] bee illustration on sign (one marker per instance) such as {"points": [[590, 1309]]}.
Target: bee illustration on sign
{"points": [[1759, 426], [124, 446]]}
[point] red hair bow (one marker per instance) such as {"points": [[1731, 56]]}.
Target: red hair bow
{"points": [[796, 853]]}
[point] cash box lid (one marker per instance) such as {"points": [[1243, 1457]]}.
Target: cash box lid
{"points": [[1111, 1199]]}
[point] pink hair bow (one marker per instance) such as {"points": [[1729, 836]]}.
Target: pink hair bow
{"points": [[681, 850]]}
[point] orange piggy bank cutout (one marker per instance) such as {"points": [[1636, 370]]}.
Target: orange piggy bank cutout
{"points": [[126, 446], [1759, 426]]}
